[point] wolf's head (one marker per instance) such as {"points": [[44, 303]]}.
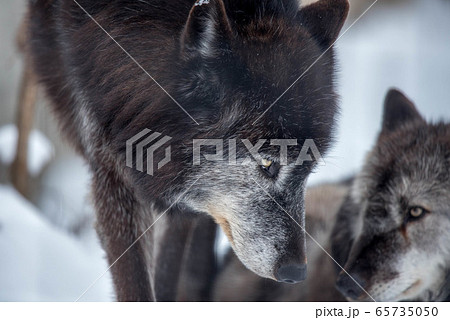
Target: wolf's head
{"points": [[392, 233], [236, 61]]}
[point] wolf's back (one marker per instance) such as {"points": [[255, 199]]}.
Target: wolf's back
{"points": [[63, 39]]}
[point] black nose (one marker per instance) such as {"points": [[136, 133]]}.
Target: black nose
{"points": [[291, 273], [349, 287]]}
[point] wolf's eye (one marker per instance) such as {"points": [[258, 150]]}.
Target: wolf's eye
{"points": [[266, 163], [417, 212], [269, 167]]}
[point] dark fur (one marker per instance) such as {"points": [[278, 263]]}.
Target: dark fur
{"points": [[102, 98], [199, 264]]}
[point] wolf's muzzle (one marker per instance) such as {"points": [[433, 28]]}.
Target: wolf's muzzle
{"points": [[291, 273]]}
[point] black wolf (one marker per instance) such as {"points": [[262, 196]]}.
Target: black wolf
{"points": [[392, 233], [223, 62]]}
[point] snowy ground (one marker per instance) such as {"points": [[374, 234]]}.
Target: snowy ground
{"points": [[49, 251], [42, 263]]}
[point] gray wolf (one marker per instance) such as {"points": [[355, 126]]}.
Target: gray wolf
{"points": [[392, 232], [224, 62]]}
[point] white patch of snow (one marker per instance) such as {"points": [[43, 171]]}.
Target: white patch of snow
{"points": [[64, 195], [42, 263], [40, 149], [222, 246]]}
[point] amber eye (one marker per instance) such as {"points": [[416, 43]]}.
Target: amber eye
{"points": [[266, 163], [417, 212], [269, 167]]}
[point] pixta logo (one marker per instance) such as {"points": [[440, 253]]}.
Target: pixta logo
{"points": [[143, 146]]}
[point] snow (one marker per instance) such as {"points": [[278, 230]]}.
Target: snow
{"points": [[221, 246], [42, 263], [393, 45], [64, 194], [40, 149]]}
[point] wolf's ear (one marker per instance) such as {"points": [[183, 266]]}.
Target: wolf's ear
{"points": [[398, 110], [206, 28], [324, 19]]}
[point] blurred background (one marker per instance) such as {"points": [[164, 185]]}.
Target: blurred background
{"points": [[48, 247]]}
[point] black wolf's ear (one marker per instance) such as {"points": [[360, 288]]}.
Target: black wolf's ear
{"points": [[398, 110], [205, 29], [324, 19]]}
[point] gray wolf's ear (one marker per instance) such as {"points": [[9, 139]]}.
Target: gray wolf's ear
{"points": [[398, 110], [206, 28], [324, 19], [342, 236]]}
